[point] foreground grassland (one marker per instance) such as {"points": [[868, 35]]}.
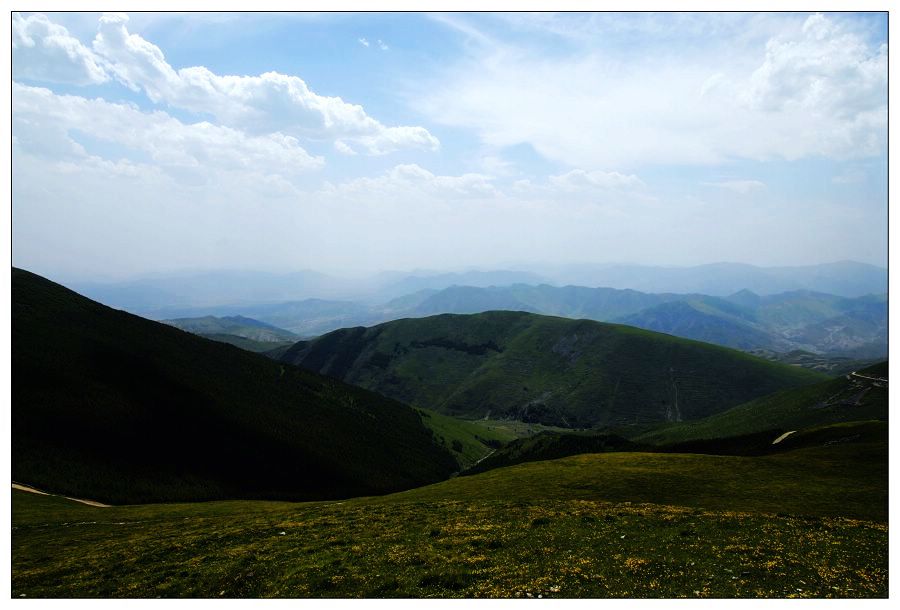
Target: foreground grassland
{"points": [[553, 529]]}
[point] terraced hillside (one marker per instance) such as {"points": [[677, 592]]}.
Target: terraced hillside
{"points": [[544, 369]]}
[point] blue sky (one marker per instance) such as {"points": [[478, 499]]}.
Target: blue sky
{"points": [[352, 143]]}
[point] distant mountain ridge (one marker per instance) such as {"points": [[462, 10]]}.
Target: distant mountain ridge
{"points": [[794, 320], [162, 292], [239, 326], [842, 278]]}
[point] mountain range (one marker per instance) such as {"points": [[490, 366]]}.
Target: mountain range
{"points": [[843, 278], [792, 321], [163, 295]]}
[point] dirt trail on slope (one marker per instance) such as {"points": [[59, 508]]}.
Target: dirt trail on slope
{"points": [[44, 493], [782, 437]]}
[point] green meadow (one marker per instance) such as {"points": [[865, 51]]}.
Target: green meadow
{"points": [[805, 523]]}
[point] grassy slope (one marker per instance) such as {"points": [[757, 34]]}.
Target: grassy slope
{"points": [[233, 325], [718, 527], [467, 441], [793, 409], [247, 344], [478, 438], [543, 369], [550, 446], [844, 479], [114, 407]]}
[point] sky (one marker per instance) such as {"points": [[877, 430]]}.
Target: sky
{"points": [[353, 143]]}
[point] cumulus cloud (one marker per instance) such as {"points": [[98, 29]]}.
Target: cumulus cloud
{"points": [[823, 69], [741, 187], [45, 51], [579, 179], [413, 180], [258, 104], [48, 125], [363, 42], [813, 87]]}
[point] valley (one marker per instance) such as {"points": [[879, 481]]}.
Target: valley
{"points": [[433, 457]]}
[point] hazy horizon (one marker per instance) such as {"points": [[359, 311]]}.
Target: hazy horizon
{"points": [[524, 267], [352, 144]]}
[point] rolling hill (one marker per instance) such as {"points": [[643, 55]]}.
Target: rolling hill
{"points": [[687, 319], [601, 304], [557, 371], [239, 326], [110, 406], [260, 347], [842, 399]]}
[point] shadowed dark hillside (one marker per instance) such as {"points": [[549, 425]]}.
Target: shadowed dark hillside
{"points": [[113, 407]]}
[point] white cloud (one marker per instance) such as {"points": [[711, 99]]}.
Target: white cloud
{"points": [[382, 45], [741, 187], [47, 125], [258, 104], [412, 180], [45, 51], [824, 69], [363, 42], [618, 194], [343, 148], [814, 89], [579, 179]]}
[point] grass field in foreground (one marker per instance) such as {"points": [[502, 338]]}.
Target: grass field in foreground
{"points": [[773, 526]]}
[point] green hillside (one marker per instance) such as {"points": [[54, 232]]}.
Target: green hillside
{"points": [[551, 446], [805, 523], [468, 442], [260, 347], [574, 373], [840, 479], [114, 407], [842, 399], [233, 325]]}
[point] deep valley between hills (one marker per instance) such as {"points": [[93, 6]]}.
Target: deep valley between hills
{"points": [[500, 452]]}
